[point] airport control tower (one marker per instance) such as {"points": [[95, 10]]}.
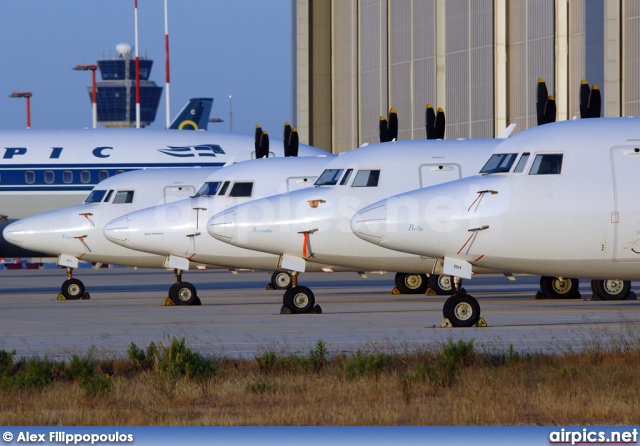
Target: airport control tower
{"points": [[116, 92]]}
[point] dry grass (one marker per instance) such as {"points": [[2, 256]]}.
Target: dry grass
{"points": [[450, 384]]}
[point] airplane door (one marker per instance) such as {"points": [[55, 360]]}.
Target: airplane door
{"points": [[295, 183], [625, 162], [175, 193], [432, 174]]}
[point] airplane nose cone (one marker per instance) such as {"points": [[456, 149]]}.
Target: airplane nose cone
{"points": [[370, 223], [117, 231], [15, 233], [223, 226]]}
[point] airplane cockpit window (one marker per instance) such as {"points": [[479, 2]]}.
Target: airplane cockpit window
{"points": [[108, 197], [329, 177], [208, 189], [499, 162], [95, 196], [521, 163], [123, 196], [346, 176], [241, 189], [547, 164], [366, 178], [225, 186]]}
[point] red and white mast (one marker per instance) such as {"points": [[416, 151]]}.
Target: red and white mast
{"points": [[166, 51], [137, 68]]}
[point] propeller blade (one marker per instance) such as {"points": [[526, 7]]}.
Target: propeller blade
{"points": [[393, 124], [550, 110], [594, 102], [585, 91], [440, 124], [264, 146], [293, 143], [256, 139], [384, 129], [543, 96], [285, 139], [430, 122]]}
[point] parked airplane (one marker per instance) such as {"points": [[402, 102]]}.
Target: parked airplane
{"points": [[312, 225], [77, 232], [45, 170], [556, 200]]}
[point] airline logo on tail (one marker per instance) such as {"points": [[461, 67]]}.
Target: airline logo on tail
{"points": [[192, 151]]}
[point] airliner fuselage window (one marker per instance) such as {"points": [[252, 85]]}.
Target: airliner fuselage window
{"points": [[329, 177], [123, 196], [366, 178], [547, 164], [499, 162]]}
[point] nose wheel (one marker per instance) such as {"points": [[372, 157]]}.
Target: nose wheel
{"points": [[281, 280], [183, 293], [462, 310], [411, 283], [72, 289], [299, 299]]}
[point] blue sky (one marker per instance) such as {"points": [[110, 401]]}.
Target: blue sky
{"points": [[217, 48]]}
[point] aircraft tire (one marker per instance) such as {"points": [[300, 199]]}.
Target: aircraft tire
{"points": [[555, 288], [299, 299], [441, 284], [411, 283], [72, 289], [462, 310], [611, 289], [281, 280], [183, 293]]}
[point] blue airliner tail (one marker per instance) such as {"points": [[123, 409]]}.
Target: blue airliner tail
{"points": [[194, 115]]}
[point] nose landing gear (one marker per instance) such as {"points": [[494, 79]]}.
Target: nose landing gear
{"points": [[182, 293], [72, 289]]}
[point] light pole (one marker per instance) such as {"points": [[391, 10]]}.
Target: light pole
{"points": [[230, 116], [94, 94], [24, 94]]}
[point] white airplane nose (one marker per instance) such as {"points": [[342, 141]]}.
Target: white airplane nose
{"points": [[370, 223], [223, 226], [15, 233], [117, 231]]}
